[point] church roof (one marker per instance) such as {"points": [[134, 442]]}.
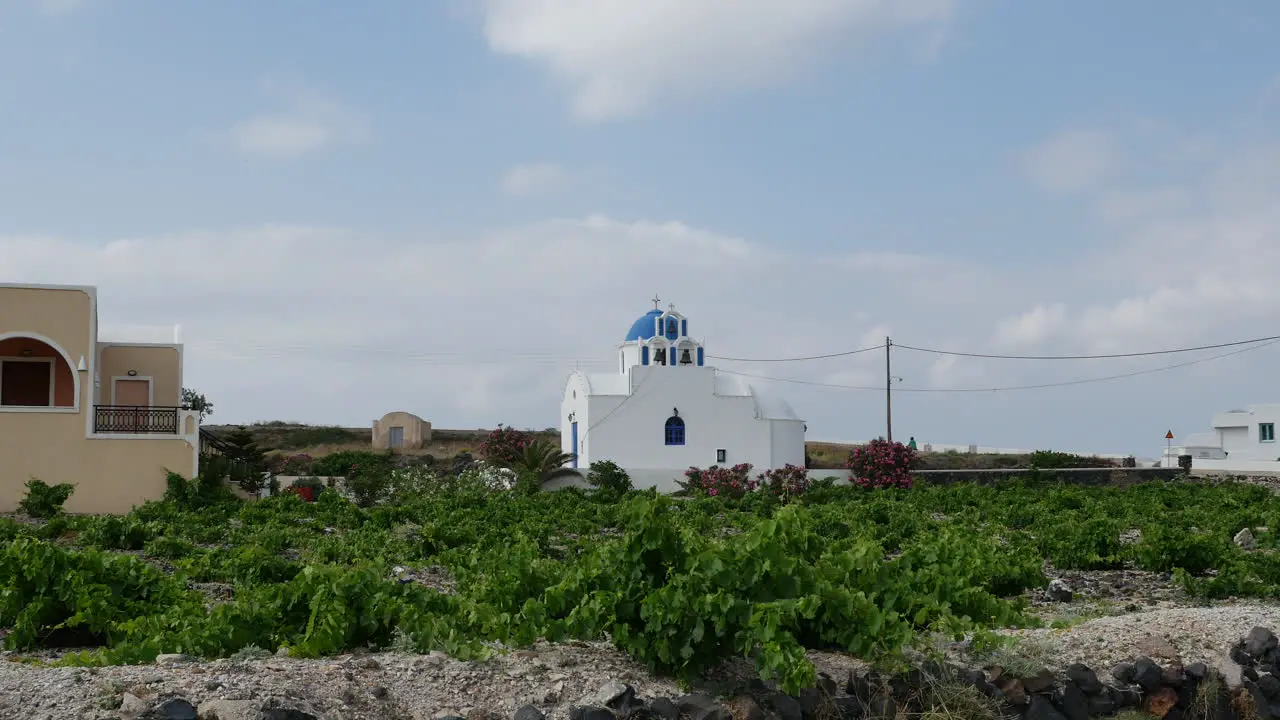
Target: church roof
{"points": [[769, 405], [643, 327], [607, 384]]}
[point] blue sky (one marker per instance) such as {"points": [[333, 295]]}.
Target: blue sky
{"points": [[443, 206]]}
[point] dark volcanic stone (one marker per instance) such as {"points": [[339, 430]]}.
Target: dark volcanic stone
{"points": [[1240, 657], [1102, 704], [848, 708], [1259, 642], [171, 709], [1126, 697], [745, 707], [1148, 675], [1262, 708], [1074, 704], [699, 706], [1270, 686], [1123, 673], [785, 706], [1085, 678], [667, 710], [529, 712], [1042, 709], [589, 713], [1041, 682], [859, 687], [286, 714]]}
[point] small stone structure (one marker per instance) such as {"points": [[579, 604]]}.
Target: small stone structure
{"points": [[401, 431]]}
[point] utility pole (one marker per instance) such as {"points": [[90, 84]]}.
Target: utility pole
{"points": [[888, 392]]}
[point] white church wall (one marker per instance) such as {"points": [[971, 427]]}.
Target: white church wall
{"points": [[787, 440], [631, 431]]}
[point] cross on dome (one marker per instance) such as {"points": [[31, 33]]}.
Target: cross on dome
{"points": [[656, 301]]}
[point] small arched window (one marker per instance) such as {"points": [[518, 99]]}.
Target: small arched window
{"points": [[675, 431]]}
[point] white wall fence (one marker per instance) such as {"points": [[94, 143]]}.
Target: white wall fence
{"points": [[1229, 466]]}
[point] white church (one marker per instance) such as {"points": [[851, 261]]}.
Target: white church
{"points": [[665, 410]]}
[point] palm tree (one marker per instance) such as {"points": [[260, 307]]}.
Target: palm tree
{"points": [[540, 459]]}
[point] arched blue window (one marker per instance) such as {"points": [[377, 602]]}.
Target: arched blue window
{"points": [[675, 431]]}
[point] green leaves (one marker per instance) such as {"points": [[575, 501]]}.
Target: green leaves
{"points": [[679, 584]]}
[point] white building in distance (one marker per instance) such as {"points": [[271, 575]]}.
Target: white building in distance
{"points": [[1242, 440], [665, 409]]}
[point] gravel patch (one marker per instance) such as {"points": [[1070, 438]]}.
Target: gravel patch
{"points": [[352, 687], [1185, 634]]}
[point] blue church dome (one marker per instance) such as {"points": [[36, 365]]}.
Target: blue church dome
{"points": [[643, 328]]}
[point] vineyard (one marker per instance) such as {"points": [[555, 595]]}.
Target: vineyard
{"points": [[679, 584]]}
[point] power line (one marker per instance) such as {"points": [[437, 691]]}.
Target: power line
{"points": [[1088, 357], [798, 359], [1066, 383]]}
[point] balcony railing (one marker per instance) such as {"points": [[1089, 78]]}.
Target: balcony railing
{"points": [[136, 420]]}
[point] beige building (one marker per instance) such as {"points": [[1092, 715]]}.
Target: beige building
{"points": [[401, 431], [100, 413]]}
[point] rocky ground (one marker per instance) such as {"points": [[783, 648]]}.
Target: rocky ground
{"points": [[551, 678]]}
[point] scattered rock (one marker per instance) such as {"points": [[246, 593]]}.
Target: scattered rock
{"points": [[1042, 709], [223, 709], [1161, 702], [1041, 682], [1259, 642], [1245, 540], [1059, 592], [529, 712], [171, 709], [173, 658], [1084, 678]]}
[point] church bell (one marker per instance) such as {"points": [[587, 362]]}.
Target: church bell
{"points": [[684, 357]]}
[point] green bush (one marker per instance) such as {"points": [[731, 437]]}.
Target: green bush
{"points": [[340, 464], [608, 476], [1053, 460], [44, 500], [1164, 549]]}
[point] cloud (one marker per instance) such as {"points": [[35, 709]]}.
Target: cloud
{"points": [[304, 122], [273, 315], [60, 7], [1072, 161], [618, 56], [1184, 259], [1031, 327], [530, 180]]}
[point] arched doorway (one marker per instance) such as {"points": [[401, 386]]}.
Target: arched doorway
{"points": [[34, 374]]}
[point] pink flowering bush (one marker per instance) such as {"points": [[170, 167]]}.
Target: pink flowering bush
{"points": [[299, 464], [716, 481], [785, 482], [505, 446], [882, 464]]}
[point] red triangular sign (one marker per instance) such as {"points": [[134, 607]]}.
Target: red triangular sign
{"points": [[1168, 435]]}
